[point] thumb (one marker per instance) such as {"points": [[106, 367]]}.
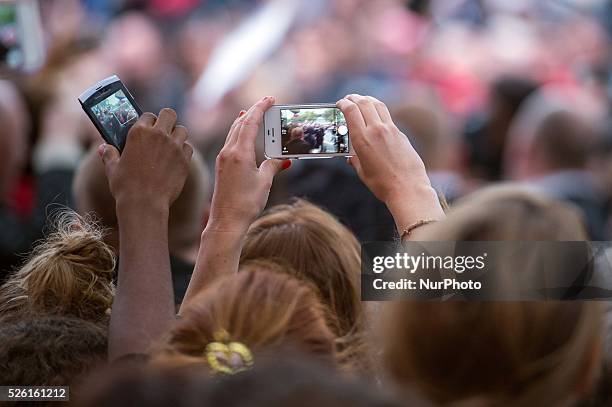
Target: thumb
{"points": [[270, 167], [110, 156]]}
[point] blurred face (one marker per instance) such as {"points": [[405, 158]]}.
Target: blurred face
{"points": [[136, 46]]}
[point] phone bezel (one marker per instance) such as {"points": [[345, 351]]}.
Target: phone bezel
{"points": [[100, 91], [271, 127]]}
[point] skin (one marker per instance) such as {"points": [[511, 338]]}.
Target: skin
{"points": [[144, 181], [385, 161], [387, 164], [240, 195]]}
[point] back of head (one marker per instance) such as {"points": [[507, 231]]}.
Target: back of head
{"points": [[69, 273], [507, 212], [260, 309], [515, 353], [92, 195], [49, 350], [563, 141], [283, 380], [319, 249]]}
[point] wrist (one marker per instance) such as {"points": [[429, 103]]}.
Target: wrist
{"points": [[220, 224], [416, 202], [142, 208]]}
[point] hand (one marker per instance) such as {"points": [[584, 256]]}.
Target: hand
{"points": [[241, 189], [154, 165], [387, 163]]}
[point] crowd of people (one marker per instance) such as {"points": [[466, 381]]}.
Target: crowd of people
{"points": [[190, 270]]}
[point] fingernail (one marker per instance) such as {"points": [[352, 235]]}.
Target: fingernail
{"points": [[101, 149], [242, 112], [286, 164]]}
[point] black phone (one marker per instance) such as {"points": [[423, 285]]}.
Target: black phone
{"points": [[112, 109]]}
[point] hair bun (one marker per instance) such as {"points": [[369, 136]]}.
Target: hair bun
{"points": [[69, 273]]}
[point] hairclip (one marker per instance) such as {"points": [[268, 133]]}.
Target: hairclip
{"points": [[227, 357]]}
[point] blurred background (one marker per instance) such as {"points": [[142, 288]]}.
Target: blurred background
{"points": [[487, 91]]}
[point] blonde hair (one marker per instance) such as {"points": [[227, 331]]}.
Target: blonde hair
{"points": [[520, 353], [321, 251], [260, 308], [69, 273]]}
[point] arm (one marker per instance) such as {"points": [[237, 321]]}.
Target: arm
{"points": [[388, 164], [240, 194], [144, 181]]}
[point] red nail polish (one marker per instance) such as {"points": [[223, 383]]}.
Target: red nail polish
{"points": [[286, 164], [242, 112]]}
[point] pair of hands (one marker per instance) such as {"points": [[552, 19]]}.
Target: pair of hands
{"points": [[154, 165], [385, 161]]}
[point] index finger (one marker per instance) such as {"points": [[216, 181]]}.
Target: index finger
{"points": [[253, 119]]}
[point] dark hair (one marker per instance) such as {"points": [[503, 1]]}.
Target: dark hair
{"points": [[512, 91], [276, 380], [564, 140], [49, 350]]}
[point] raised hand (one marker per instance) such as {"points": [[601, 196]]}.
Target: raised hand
{"points": [[241, 188], [387, 163], [144, 181]]}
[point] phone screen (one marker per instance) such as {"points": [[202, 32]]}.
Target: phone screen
{"points": [[313, 131], [116, 115], [11, 53]]}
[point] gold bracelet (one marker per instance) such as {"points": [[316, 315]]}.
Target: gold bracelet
{"points": [[408, 231]]}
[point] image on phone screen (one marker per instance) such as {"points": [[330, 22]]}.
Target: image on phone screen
{"points": [[313, 131], [116, 115], [10, 48]]}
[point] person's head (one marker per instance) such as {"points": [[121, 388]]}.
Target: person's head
{"points": [[141, 54], [261, 308], [69, 273], [278, 380], [13, 137], [320, 250], [509, 353], [430, 131], [297, 133], [563, 141], [49, 350], [540, 105], [187, 213]]}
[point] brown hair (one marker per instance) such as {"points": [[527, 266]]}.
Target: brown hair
{"points": [[260, 308], [69, 273], [320, 250], [49, 350], [520, 353]]}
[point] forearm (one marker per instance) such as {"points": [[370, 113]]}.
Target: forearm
{"points": [[219, 255], [143, 308], [418, 202]]}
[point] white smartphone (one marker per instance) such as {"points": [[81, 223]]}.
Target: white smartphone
{"points": [[305, 131]]}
